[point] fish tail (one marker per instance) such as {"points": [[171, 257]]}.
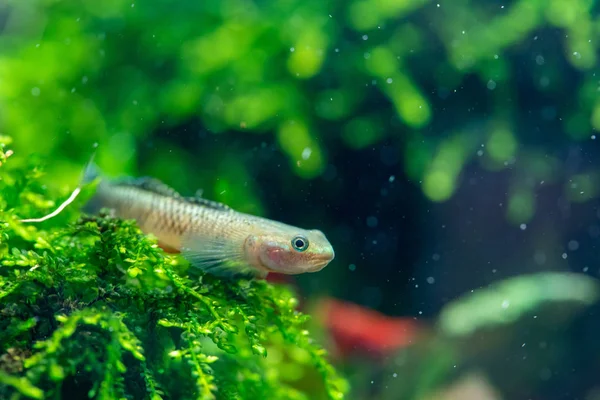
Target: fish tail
{"points": [[91, 171]]}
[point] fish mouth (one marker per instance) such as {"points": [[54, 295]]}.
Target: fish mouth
{"points": [[320, 261], [326, 257]]}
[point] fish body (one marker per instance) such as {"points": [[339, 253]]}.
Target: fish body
{"points": [[211, 235]]}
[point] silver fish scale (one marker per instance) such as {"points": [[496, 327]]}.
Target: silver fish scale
{"points": [[168, 218]]}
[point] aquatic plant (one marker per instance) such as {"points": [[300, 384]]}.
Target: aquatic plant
{"points": [[91, 307], [291, 69], [474, 332]]}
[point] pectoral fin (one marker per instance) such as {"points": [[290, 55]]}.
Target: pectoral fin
{"points": [[217, 256]]}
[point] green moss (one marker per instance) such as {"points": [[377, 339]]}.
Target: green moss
{"points": [[92, 308]]}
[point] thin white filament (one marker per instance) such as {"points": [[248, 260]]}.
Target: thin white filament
{"points": [[71, 198], [53, 214]]}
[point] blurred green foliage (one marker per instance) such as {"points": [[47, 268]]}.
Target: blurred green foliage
{"points": [[90, 307], [73, 73], [510, 332], [505, 302]]}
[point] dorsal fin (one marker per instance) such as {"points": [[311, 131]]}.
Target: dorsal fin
{"points": [[207, 203], [158, 187], [151, 185]]}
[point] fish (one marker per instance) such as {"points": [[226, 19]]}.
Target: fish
{"points": [[210, 235], [358, 330], [355, 331]]}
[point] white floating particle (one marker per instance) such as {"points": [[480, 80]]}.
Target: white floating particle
{"points": [[395, 375], [577, 55], [539, 60], [352, 267], [564, 256], [292, 49], [545, 374], [431, 280], [365, 37], [392, 179], [306, 153], [372, 222], [523, 226], [505, 304], [539, 257], [389, 80], [491, 85], [593, 137], [573, 245]]}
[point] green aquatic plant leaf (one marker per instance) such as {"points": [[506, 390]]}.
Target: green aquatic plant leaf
{"points": [[504, 302], [22, 385]]}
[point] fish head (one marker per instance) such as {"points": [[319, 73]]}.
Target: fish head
{"points": [[293, 251]]}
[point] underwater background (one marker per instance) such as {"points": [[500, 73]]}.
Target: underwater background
{"points": [[448, 150]]}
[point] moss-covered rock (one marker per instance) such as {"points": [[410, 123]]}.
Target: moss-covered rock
{"points": [[91, 308]]}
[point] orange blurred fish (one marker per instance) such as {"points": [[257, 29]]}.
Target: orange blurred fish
{"points": [[356, 329]]}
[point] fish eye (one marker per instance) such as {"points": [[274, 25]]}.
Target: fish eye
{"points": [[300, 243]]}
